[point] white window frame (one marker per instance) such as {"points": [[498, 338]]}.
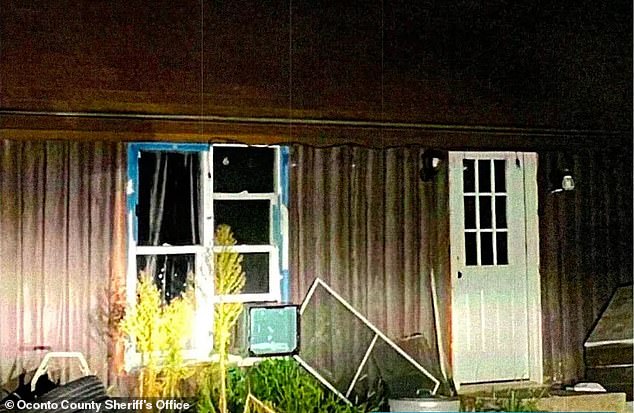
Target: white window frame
{"points": [[274, 294], [205, 298]]}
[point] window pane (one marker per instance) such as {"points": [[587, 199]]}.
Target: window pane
{"points": [[486, 249], [502, 248], [249, 220], [471, 248], [500, 212], [484, 175], [256, 270], [485, 212], [468, 175], [238, 169], [171, 273], [168, 199], [469, 212], [500, 175]]}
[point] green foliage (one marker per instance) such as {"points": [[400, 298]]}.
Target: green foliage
{"points": [[283, 385], [254, 405]]}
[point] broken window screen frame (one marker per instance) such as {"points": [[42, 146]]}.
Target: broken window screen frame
{"points": [[378, 339], [202, 277]]}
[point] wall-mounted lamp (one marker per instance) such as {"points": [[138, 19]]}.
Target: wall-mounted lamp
{"points": [[431, 160], [562, 180]]}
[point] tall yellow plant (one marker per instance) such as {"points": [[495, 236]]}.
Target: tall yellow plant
{"points": [[159, 332], [230, 280]]}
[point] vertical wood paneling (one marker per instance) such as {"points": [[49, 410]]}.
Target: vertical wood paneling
{"points": [[358, 222], [585, 250], [61, 225]]}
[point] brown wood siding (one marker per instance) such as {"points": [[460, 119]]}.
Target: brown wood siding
{"points": [[585, 250], [364, 60]]}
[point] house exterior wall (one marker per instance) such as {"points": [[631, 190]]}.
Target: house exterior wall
{"points": [[585, 240], [585, 251], [62, 251], [264, 61], [349, 61]]}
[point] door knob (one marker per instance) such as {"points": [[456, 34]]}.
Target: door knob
{"points": [[459, 274]]}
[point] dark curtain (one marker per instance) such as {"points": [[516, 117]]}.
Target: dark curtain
{"points": [[62, 248], [169, 183], [585, 250], [364, 222]]}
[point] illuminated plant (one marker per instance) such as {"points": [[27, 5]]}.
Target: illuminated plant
{"points": [[159, 333], [229, 280]]}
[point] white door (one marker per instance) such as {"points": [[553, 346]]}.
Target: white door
{"points": [[488, 261]]}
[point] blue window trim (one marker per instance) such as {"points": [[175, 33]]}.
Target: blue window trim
{"points": [[133, 169], [133, 190], [285, 282]]}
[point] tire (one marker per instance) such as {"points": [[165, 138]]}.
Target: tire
{"points": [[84, 389]]}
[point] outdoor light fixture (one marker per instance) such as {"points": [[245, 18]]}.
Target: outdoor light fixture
{"points": [[562, 181], [431, 160]]}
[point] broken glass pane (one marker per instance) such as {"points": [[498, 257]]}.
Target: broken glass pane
{"points": [[249, 220], [238, 169], [171, 273], [168, 198]]}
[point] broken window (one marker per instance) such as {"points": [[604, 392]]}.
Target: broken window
{"points": [[178, 194]]}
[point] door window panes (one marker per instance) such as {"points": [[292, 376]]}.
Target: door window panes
{"points": [[486, 249], [470, 212], [468, 175], [485, 212], [500, 175], [471, 246], [502, 248], [500, 212], [484, 175]]}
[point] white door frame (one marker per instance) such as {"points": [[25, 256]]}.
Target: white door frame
{"points": [[534, 310]]}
